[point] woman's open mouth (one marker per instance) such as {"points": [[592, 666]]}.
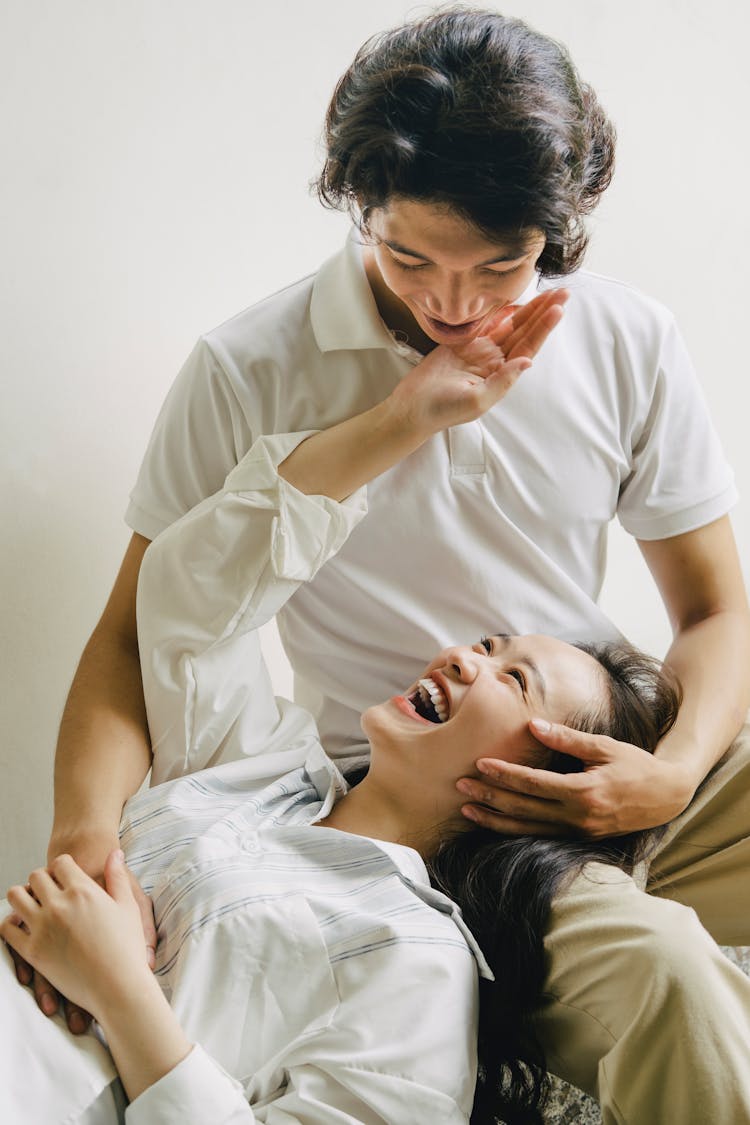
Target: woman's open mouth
{"points": [[430, 701]]}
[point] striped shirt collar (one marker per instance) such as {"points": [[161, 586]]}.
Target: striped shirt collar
{"points": [[330, 785]]}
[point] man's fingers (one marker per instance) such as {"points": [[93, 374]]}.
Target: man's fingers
{"points": [[542, 784], [24, 971], [590, 748], [46, 996], [510, 826], [77, 1019], [146, 908], [512, 803]]}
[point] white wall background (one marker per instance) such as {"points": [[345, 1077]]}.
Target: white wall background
{"points": [[156, 156]]}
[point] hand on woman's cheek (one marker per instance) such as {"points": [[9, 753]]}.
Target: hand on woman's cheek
{"points": [[87, 941]]}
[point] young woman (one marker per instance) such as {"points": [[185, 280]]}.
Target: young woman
{"points": [[469, 152], [306, 969]]}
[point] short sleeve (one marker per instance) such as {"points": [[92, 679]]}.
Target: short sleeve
{"points": [[680, 479], [200, 434]]}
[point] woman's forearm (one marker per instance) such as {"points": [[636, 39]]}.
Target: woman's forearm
{"points": [[143, 1034], [338, 461]]}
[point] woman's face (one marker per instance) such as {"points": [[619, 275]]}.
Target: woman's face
{"points": [[475, 702], [428, 267]]}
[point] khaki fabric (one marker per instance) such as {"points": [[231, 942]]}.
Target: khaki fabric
{"points": [[644, 1012]]}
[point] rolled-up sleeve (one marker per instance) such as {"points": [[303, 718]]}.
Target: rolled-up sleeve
{"points": [[207, 584]]}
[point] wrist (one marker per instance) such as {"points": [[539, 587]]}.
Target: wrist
{"points": [[396, 420], [142, 1032], [89, 845], [685, 770]]}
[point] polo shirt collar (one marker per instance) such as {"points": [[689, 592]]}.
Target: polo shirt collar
{"points": [[343, 312]]}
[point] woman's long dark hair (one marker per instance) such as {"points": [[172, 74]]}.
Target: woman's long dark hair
{"points": [[478, 112], [505, 887]]}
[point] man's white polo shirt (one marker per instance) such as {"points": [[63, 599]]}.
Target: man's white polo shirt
{"points": [[497, 525]]}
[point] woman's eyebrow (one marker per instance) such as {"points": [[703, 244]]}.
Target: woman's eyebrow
{"points": [[532, 666], [399, 249]]}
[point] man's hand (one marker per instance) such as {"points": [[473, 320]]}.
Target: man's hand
{"points": [[621, 789], [91, 858]]}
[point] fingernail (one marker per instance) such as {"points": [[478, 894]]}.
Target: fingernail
{"points": [[541, 725], [463, 786], [49, 1005], [120, 855], [76, 1023], [469, 813], [23, 972]]}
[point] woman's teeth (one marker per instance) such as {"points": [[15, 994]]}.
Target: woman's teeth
{"points": [[434, 705]]}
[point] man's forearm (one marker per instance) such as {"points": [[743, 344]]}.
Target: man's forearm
{"points": [[103, 751], [712, 660]]}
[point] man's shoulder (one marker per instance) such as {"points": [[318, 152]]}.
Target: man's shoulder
{"points": [[610, 297], [266, 325]]}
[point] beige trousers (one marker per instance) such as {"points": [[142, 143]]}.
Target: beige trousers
{"points": [[644, 1012]]}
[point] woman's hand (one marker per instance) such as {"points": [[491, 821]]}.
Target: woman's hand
{"points": [[621, 789], [86, 940], [450, 386], [457, 384], [90, 853]]}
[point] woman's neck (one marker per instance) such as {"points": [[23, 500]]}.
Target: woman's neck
{"points": [[367, 811]]}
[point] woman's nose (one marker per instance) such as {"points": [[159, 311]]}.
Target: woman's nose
{"points": [[462, 661]]}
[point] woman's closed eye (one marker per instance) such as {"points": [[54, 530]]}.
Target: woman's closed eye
{"points": [[486, 643], [519, 677]]}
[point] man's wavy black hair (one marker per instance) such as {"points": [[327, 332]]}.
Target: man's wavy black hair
{"points": [[478, 112]]}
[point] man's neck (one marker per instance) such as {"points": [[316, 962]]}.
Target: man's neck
{"points": [[393, 312]]}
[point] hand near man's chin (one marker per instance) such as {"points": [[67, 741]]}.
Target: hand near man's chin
{"points": [[49, 1000], [620, 789]]}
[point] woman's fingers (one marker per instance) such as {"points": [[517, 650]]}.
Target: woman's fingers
{"points": [[23, 903], [43, 886], [527, 340], [514, 320]]}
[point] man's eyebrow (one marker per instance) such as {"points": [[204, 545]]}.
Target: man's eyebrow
{"points": [[423, 258], [532, 666]]}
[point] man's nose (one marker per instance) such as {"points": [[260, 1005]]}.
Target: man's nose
{"points": [[455, 301]]}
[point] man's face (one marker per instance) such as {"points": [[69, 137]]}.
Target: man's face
{"points": [[429, 263]]}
